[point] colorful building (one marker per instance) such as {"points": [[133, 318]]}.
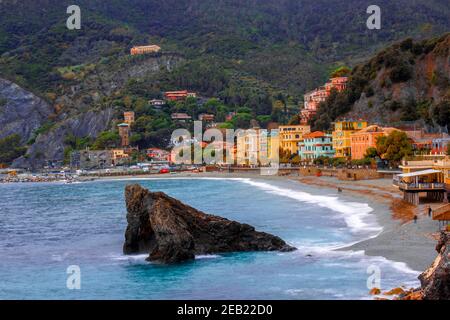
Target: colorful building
{"points": [[313, 98], [179, 95], [256, 147], [156, 154], [426, 175], [124, 133], [128, 117], [290, 136], [440, 144], [366, 138], [342, 136], [119, 156], [145, 49], [315, 145]]}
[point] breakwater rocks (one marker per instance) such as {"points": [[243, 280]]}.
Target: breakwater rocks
{"points": [[172, 232]]}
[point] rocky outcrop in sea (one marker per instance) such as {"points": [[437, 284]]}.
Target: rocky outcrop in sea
{"points": [[171, 231]]}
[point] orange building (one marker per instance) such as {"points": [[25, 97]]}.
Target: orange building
{"points": [[179, 95], [144, 49], [124, 133], [366, 138], [128, 117], [313, 98]]}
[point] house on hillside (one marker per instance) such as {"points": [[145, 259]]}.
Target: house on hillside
{"points": [[144, 49], [181, 117]]}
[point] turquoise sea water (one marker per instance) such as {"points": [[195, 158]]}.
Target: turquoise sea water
{"points": [[45, 228]]}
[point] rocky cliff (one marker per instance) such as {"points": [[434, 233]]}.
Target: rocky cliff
{"points": [[171, 231], [21, 112], [82, 106]]}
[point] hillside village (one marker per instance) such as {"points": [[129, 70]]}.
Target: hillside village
{"points": [[351, 141]]}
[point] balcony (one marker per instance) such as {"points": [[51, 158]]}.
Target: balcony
{"points": [[420, 186]]}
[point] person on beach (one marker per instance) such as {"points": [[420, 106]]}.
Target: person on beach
{"points": [[430, 211], [415, 218]]}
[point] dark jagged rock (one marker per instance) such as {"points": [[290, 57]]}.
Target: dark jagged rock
{"points": [[171, 231], [435, 281]]}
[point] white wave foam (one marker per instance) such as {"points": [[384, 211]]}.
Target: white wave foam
{"points": [[137, 257], [207, 256], [356, 215]]}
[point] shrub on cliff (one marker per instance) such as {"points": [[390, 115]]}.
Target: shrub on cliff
{"points": [[10, 149]]}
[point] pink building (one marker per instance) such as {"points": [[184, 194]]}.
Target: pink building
{"points": [[314, 98]]}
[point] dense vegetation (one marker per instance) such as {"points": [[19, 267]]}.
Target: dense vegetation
{"points": [[391, 66], [10, 149], [257, 57]]}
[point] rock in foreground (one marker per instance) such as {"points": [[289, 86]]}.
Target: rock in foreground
{"points": [[171, 231], [435, 280]]}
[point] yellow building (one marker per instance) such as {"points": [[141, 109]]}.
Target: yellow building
{"points": [[257, 147], [342, 136], [290, 136], [273, 146], [118, 156]]}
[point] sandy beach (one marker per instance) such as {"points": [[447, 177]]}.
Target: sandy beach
{"points": [[402, 240]]}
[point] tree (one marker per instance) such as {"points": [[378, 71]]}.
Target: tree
{"points": [[371, 153], [106, 140], [10, 149], [342, 71], [394, 147], [294, 120]]}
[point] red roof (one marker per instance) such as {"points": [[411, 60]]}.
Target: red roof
{"points": [[315, 134]]}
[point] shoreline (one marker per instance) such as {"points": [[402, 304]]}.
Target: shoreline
{"points": [[401, 240]]}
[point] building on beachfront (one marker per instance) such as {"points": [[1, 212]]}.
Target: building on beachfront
{"points": [[442, 215], [119, 157], [257, 147], [144, 49], [440, 144], [156, 154], [124, 133], [367, 138], [427, 176], [428, 143], [291, 135], [128, 117], [313, 98], [179, 95], [342, 136], [316, 145]]}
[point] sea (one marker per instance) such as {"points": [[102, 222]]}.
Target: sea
{"points": [[64, 241]]}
